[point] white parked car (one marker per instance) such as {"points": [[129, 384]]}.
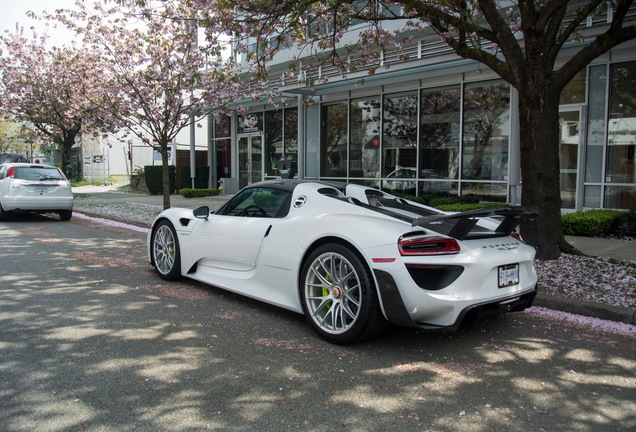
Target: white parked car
{"points": [[27, 187], [350, 257]]}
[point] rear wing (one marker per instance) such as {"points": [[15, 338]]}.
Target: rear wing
{"points": [[459, 225]]}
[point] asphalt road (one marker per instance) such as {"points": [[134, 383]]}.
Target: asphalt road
{"points": [[92, 340]]}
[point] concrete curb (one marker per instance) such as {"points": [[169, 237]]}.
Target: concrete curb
{"points": [[586, 308], [113, 218]]}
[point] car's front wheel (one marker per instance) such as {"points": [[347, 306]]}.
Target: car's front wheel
{"points": [[165, 251], [66, 215], [338, 295]]}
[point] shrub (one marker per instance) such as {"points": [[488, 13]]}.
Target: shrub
{"points": [[154, 179], [202, 174], [467, 207], [466, 199], [436, 200], [626, 223], [198, 193], [591, 223]]}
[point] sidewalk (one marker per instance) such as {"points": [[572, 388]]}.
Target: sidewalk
{"points": [[140, 209]]}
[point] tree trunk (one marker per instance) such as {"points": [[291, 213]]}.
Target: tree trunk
{"points": [[165, 174], [540, 171], [66, 146]]}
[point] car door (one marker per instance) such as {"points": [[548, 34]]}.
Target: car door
{"points": [[231, 239], [228, 242]]}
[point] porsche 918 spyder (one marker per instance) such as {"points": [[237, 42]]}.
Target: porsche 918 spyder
{"points": [[350, 257]]}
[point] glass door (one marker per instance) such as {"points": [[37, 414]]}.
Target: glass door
{"points": [[569, 148], [250, 159]]}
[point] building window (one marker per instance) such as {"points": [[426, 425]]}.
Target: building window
{"points": [[621, 137], [595, 130], [486, 129], [333, 151], [440, 122], [574, 92], [290, 132], [364, 151], [221, 131], [440, 128], [273, 140], [399, 132], [281, 137]]}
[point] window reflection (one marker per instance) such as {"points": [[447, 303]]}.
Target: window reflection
{"points": [[273, 140], [281, 137], [621, 128], [364, 151], [333, 152], [399, 132], [486, 129], [439, 132]]}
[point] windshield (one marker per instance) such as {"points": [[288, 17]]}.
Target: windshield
{"points": [[258, 202], [38, 173]]}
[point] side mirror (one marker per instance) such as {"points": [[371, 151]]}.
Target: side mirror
{"points": [[201, 212]]}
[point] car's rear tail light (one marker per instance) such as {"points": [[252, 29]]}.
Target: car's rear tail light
{"points": [[11, 172], [428, 246], [62, 174]]}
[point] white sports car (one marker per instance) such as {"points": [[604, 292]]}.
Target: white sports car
{"points": [[351, 257]]}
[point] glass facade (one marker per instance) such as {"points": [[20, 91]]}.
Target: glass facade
{"points": [[455, 139], [423, 141], [610, 172]]}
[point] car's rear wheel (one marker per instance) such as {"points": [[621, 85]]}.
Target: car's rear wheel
{"points": [[338, 295], [166, 256], [66, 215], [4, 214]]}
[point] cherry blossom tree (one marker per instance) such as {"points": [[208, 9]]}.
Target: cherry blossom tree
{"points": [[161, 79], [9, 138], [46, 87], [519, 40]]}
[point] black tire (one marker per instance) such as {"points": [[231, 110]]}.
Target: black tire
{"points": [[4, 214], [65, 215], [338, 295], [165, 253]]}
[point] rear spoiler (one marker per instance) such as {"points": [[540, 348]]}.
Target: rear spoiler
{"points": [[461, 224]]}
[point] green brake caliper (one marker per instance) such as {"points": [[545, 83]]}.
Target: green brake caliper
{"points": [[325, 290]]}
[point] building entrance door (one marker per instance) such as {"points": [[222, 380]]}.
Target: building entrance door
{"points": [[250, 159], [570, 136]]}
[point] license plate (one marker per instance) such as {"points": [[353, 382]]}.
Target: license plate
{"points": [[508, 275], [41, 189]]}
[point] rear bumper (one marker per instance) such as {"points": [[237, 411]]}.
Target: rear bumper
{"points": [[43, 204], [396, 312]]}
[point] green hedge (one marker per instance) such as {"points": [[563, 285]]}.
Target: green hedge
{"points": [[627, 222], [202, 174], [438, 200], [595, 223], [467, 207], [198, 193], [154, 179]]}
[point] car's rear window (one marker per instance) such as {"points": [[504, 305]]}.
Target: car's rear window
{"points": [[38, 173]]}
